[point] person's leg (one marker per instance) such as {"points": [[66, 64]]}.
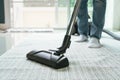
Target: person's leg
{"points": [[82, 21], [99, 7], [83, 18]]}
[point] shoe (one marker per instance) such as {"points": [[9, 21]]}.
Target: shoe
{"points": [[83, 38], [94, 43]]}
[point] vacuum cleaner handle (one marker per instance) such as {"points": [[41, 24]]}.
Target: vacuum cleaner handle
{"points": [[66, 41], [73, 18]]}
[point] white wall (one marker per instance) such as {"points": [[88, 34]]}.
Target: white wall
{"points": [[116, 15], [109, 14], [7, 12], [112, 15]]}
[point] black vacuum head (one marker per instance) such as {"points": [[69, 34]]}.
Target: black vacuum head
{"points": [[48, 58]]}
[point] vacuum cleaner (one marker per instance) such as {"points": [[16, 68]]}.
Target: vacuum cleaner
{"points": [[56, 58]]}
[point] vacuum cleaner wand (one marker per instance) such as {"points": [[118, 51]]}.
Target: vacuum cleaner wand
{"points": [[55, 58], [67, 39]]}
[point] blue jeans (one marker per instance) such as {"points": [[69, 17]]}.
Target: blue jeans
{"points": [[98, 18]]}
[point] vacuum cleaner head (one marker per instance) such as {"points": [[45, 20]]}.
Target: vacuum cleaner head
{"points": [[49, 58]]}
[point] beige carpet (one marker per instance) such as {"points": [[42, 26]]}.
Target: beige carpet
{"points": [[85, 63]]}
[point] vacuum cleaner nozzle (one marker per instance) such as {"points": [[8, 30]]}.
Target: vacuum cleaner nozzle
{"points": [[49, 58]]}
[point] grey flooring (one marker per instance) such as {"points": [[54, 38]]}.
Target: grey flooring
{"points": [[85, 63]]}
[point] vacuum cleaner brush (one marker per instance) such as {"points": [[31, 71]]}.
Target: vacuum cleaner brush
{"points": [[48, 58]]}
